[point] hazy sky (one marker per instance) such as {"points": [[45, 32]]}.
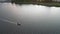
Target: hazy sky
{"points": [[2, 0]]}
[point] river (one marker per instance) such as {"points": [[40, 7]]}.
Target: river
{"points": [[34, 19]]}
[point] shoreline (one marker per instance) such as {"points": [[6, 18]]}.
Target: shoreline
{"points": [[56, 4]]}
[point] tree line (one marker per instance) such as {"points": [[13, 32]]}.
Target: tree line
{"points": [[21, 0], [31, 1]]}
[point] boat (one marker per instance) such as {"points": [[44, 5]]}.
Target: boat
{"points": [[18, 24]]}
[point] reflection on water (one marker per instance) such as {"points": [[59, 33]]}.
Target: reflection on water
{"points": [[34, 19]]}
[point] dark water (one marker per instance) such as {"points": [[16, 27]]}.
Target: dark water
{"points": [[34, 19]]}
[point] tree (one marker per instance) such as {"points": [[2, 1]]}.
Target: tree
{"points": [[22, 0], [48, 0]]}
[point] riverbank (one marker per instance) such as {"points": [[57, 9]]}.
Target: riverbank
{"points": [[50, 4], [56, 4]]}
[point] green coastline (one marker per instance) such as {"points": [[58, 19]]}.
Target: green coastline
{"points": [[50, 4]]}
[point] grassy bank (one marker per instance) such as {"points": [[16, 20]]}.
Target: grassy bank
{"points": [[56, 4], [50, 4]]}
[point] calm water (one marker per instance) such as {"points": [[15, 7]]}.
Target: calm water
{"points": [[34, 19]]}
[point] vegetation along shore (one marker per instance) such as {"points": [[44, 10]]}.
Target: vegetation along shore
{"points": [[38, 2]]}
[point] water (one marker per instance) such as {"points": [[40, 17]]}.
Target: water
{"points": [[34, 19]]}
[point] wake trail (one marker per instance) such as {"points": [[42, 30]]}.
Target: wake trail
{"points": [[8, 21]]}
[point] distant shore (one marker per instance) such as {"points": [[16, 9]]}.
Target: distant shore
{"points": [[56, 4]]}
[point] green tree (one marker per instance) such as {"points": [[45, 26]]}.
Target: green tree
{"points": [[48, 0], [22, 0]]}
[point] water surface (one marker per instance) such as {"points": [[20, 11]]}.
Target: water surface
{"points": [[34, 19]]}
